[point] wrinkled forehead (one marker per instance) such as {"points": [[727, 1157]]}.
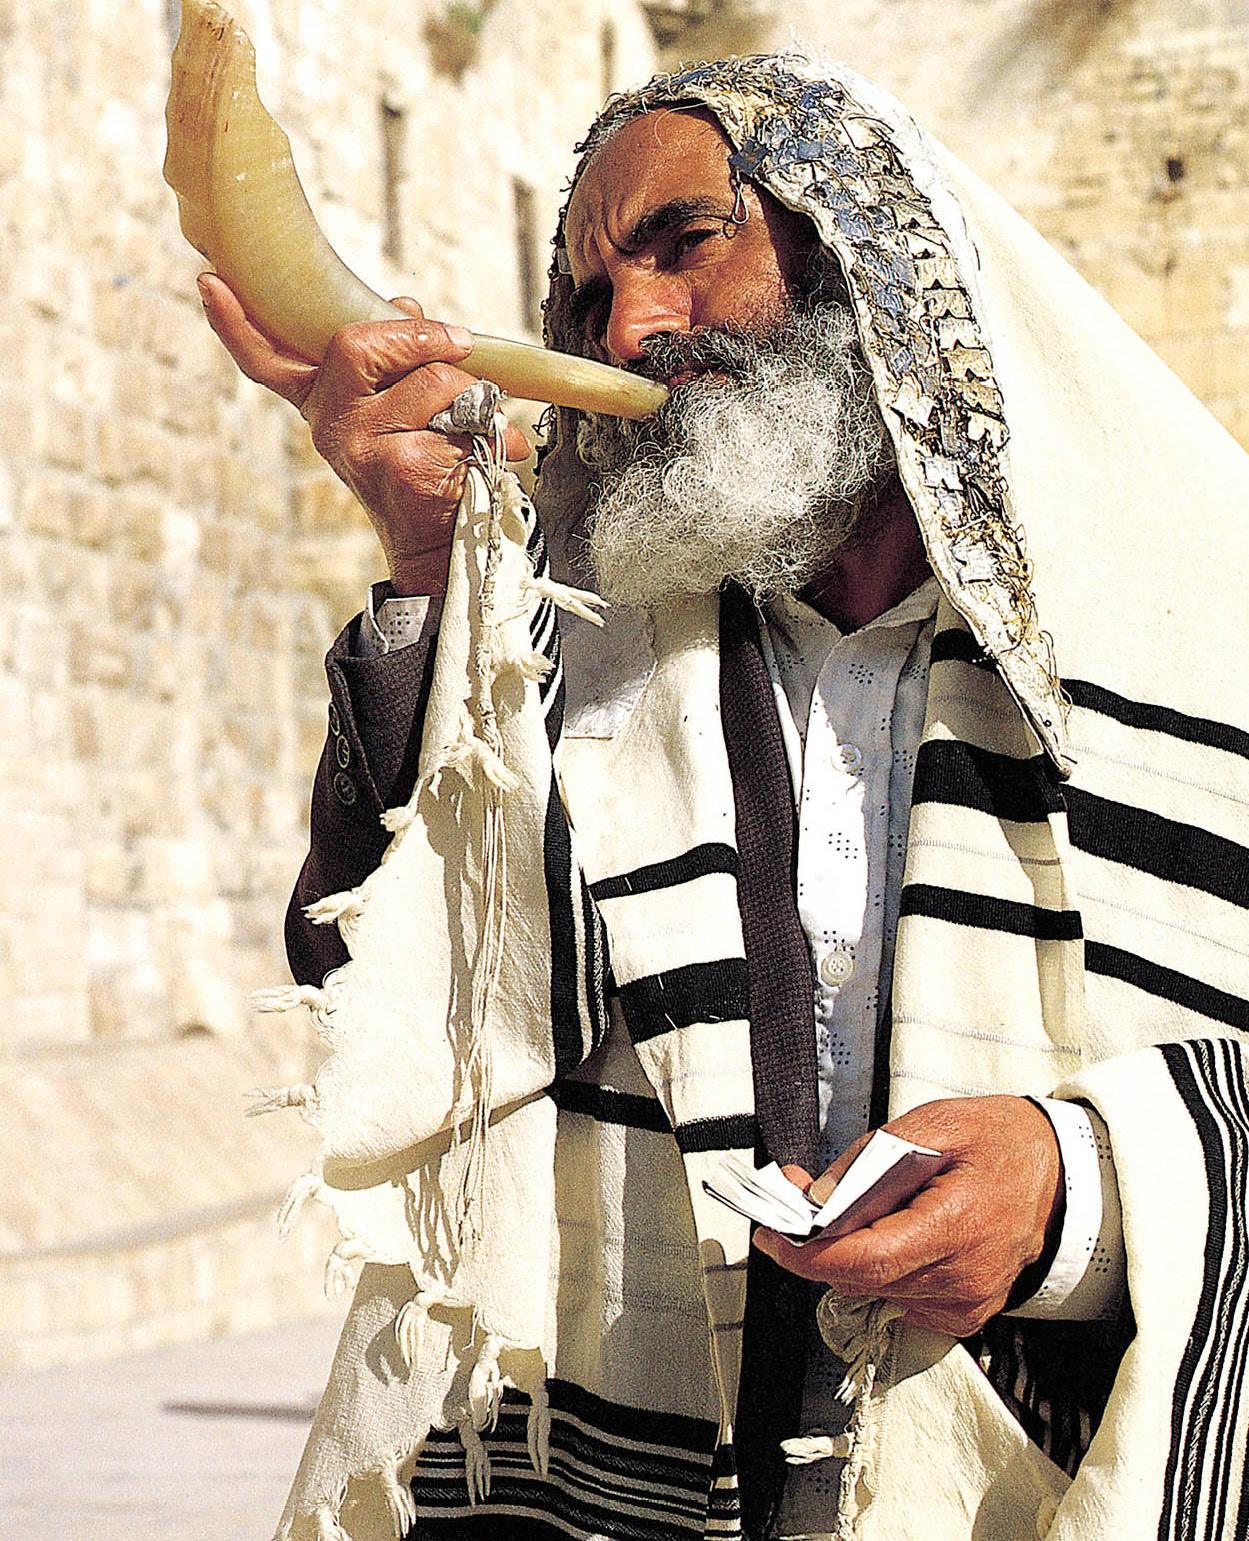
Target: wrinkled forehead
{"points": [[735, 97], [663, 157]]}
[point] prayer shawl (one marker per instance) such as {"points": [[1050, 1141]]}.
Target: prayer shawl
{"points": [[546, 1334]]}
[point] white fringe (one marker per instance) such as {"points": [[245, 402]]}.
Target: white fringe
{"points": [[290, 998], [538, 1430], [397, 820], [340, 1265], [334, 907], [328, 1528], [476, 1462], [857, 1331], [271, 1099], [583, 602], [530, 666], [806, 1449], [309, 1186], [399, 1499], [470, 757], [485, 1383], [413, 1314]]}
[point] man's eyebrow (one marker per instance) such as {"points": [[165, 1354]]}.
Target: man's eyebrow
{"points": [[668, 216]]}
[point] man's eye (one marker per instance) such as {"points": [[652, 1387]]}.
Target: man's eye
{"points": [[689, 239]]}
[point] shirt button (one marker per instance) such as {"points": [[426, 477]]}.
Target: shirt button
{"points": [[334, 718], [345, 789], [342, 751], [850, 757], [836, 967]]}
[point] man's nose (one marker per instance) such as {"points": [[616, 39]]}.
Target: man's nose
{"points": [[641, 308]]}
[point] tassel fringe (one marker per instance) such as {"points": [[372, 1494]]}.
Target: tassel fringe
{"points": [[530, 666], [470, 757], [410, 1322], [328, 1528], [290, 998], [271, 1099], [397, 820], [399, 1499], [476, 1462], [340, 1266], [806, 1449], [309, 1186], [538, 1430], [335, 907], [857, 1331], [485, 1384], [583, 602]]}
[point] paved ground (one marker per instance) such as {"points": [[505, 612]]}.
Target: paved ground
{"points": [[199, 1441]]}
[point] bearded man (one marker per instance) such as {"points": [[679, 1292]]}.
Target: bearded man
{"points": [[855, 815]]}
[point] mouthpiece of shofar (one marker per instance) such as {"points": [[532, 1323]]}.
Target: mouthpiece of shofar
{"points": [[241, 205]]}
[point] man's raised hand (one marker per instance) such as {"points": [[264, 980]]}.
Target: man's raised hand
{"points": [[368, 405]]}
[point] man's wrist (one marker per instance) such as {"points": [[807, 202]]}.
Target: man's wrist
{"points": [[425, 574]]}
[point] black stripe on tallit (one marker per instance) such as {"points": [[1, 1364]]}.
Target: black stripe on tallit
{"points": [[595, 966], [986, 913], [1205, 1408], [727, 1133], [1055, 1376], [605, 1460], [679, 997], [952, 772], [553, 696], [563, 883], [956, 646], [1167, 984], [1157, 719], [1164, 848], [696, 863], [610, 1107]]}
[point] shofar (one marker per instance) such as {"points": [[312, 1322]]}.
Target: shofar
{"points": [[241, 205]]}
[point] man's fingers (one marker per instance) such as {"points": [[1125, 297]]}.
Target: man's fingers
{"points": [[256, 355], [821, 1190], [872, 1260]]}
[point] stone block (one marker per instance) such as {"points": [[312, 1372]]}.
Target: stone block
{"points": [[98, 659], [67, 436], [1197, 293]]}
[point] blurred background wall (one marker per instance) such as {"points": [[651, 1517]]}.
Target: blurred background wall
{"points": [[174, 559]]}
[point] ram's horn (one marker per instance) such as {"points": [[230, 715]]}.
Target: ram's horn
{"points": [[242, 207]]}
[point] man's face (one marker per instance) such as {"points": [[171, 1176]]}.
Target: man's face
{"points": [[657, 244]]}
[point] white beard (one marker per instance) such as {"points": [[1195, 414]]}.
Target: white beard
{"points": [[757, 478]]}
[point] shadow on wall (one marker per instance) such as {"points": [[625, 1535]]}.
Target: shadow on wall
{"points": [[1048, 39]]}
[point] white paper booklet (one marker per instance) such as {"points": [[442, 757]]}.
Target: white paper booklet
{"points": [[885, 1174]]}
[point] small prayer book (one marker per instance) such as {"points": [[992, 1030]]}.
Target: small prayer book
{"points": [[883, 1177]]}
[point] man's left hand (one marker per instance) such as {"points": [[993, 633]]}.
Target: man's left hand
{"points": [[951, 1256]]}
